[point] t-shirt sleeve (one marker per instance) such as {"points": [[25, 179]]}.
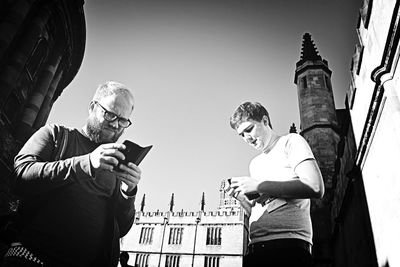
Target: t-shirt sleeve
{"points": [[297, 150]]}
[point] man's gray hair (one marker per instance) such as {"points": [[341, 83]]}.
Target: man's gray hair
{"points": [[112, 88]]}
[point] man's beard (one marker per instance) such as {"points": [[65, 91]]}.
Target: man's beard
{"points": [[94, 131]]}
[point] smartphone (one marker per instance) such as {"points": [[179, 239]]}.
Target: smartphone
{"points": [[133, 153]]}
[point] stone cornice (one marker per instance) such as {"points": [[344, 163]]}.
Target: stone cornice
{"points": [[321, 125]]}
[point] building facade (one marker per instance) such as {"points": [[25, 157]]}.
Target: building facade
{"points": [[358, 147], [41, 49], [374, 104], [202, 239]]}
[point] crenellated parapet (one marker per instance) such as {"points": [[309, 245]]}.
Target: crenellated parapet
{"points": [[190, 217]]}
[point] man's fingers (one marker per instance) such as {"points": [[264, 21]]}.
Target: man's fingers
{"points": [[111, 152], [113, 145], [108, 160], [129, 180], [131, 168]]}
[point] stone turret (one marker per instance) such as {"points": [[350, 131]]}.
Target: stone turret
{"points": [[226, 201], [319, 126]]}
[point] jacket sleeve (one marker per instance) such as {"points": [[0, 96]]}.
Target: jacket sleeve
{"points": [[125, 212], [36, 172]]}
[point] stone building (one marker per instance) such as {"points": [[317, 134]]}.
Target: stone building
{"points": [[358, 147], [203, 239], [374, 106], [319, 126], [330, 136], [41, 49]]}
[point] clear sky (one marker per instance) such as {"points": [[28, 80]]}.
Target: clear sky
{"points": [[190, 64]]}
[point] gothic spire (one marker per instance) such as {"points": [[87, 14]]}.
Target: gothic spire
{"points": [[203, 202], [142, 203], [171, 203], [310, 58], [308, 50]]}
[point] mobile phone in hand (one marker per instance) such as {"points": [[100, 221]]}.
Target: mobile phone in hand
{"points": [[133, 153], [249, 196]]}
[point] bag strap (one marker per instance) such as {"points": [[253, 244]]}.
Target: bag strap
{"points": [[61, 142]]}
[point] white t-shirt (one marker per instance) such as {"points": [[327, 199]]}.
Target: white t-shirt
{"points": [[281, 218]]}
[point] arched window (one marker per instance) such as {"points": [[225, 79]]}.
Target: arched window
{"points": [[37, 57]]}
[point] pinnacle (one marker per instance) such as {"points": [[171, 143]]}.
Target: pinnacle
{"points": [[308, 50]]}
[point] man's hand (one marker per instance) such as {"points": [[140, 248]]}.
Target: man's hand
{"points": [[232, 191], [106, 156], [244, 185], [129, 174]]}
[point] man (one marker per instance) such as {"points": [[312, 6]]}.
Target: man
{"points": [[123, 259], [74, 210], [283, 178]]}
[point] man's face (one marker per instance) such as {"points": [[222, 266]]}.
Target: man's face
{"points": [[256, 134], [99, 129]]}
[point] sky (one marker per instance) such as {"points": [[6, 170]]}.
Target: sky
{"points": [[189, 64]]}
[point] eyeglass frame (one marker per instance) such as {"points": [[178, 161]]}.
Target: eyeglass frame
{"points": [[113, 117]]}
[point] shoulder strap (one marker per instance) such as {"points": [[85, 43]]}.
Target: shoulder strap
{"points": [[25, 211], [61, 142]]}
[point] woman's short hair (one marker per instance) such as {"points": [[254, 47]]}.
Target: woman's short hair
{"points": [[249, 111]]}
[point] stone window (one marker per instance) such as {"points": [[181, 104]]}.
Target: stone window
{"points": [[365, 12], [357, 59], [175, 236], [211, 261], [304, 82], [213, 236], [142, 260], [172, 261], [146, 235], [317, 81], [37, 57], [351, 94], [328, 83]]}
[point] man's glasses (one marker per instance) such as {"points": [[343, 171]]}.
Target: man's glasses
{"points": [[110, 117]]}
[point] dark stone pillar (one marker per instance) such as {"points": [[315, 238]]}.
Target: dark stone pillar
{"points": [[15, 64], [35, 102]]}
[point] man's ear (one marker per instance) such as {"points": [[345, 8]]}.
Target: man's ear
{"points": [[265, 120], [91, 106]]}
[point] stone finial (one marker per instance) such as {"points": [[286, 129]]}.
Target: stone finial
{"points": [[203, 202], [293, 128]]}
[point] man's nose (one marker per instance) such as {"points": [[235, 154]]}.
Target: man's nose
{"points": [[248, 137], [114, 124]]}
